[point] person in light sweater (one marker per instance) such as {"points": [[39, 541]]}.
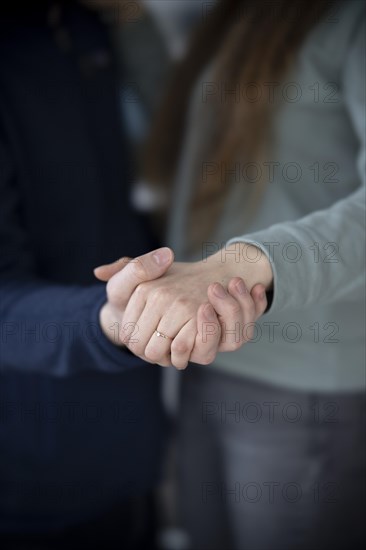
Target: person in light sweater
{"points": [[266, 167]]}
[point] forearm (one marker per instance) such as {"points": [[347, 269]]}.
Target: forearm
{"points": [[54, 329], [240, 259], [320, 257]]}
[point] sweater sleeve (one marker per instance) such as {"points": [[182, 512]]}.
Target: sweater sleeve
{"points": [[45, 328], [320, 259]]}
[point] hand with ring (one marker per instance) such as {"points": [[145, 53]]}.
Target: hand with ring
{"points": [[172, 313]]}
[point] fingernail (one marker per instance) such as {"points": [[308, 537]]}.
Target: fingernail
{"points": [[240, 287], [209, 313], [219, 291], [162, 256]]}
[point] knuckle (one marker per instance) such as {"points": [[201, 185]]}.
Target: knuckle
{"points": [[232, 346], [155, 355], [180, 366], [183, 302], [208, 358], [111, 289], [165, 362], [180, 347], [140, 291], [185, 306], [234, 309], [152, 354], [136, 347], [158, 294]]}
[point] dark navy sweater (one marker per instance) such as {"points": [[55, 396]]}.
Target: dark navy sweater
{"points": [[81, 423]]}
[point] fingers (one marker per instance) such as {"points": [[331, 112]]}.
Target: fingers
{"points": [[130, 327], [208, 336], [231, 308], [225, 329], [146, 324], [137, 327], [171, 324], [238, 311], [158, 347], [197, 341], [142, 269], [105, 272], [259, 296], [183, 344], [166, 351]]}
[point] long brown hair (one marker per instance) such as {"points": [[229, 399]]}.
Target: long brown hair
{"points": [[252, 42]]}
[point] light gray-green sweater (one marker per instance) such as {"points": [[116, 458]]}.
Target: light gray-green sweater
{"points": [[311, 221]]}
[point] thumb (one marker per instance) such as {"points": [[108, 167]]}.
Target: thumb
{"points": [[145, 268], [105, 272]]}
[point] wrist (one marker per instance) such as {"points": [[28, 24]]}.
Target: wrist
{"points": [[244, 260]]}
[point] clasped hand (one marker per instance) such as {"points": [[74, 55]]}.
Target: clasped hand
{"points": [[170, 313]]}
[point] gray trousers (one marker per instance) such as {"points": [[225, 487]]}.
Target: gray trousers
{"points": [[262, 468]]}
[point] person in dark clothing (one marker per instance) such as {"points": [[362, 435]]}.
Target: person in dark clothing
{"points": [[81, 422]]}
